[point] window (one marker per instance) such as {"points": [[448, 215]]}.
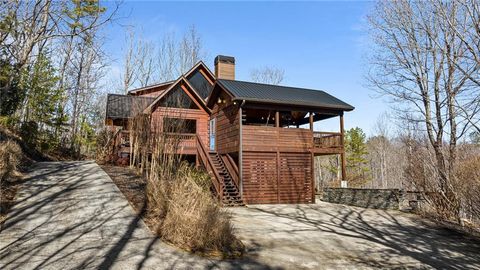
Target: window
{"points": [[177, 98], [200, 84], [178, 125]]}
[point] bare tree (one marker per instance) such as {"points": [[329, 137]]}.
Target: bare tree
{"points": [[270, 75], [129, 67], [190, 50], [420, 64], [145, 60], [167, 58]]}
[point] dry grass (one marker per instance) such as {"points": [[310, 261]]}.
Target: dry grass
{"points": [[193, 220], [455, 199], [11, 156], [179, 200]]}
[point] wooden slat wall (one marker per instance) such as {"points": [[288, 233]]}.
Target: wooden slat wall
{"points": [[264, 182], [295, 182], [260, 178], [228, 127], [199, 115], [271, 139]]}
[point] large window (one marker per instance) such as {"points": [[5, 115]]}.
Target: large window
{"points": [[177, 98], [178, 125], [201, 85]]}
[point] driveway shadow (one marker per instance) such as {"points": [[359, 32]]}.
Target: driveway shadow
{"points": [[330, 235], [70, 215]]}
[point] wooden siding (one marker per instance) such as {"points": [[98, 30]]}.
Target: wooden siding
{"points": [[271, 139], [270, 177], [227, 129], [225, 71], [200, 116], [295, 181], [260, 177]]}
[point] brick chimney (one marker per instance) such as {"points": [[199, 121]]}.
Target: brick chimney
{"points": [[225, 67]]}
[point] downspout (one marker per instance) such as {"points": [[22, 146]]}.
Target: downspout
{"points": [[240, 150]]}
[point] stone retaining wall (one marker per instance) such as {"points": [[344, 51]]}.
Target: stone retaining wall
{"points": [[367, 198]]}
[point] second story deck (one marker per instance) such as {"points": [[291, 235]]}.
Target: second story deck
{"points": [[272, 139]]}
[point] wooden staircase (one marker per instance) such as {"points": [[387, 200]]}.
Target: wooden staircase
{"points": [[230, 192], [223, 174]]}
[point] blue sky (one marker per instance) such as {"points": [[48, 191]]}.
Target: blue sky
{"points": [[320, 45]]}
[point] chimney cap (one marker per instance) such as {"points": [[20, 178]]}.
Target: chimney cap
{"points": [[224, 59]]}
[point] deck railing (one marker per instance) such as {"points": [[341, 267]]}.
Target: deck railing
{"points": [[328, 141], [185, 143], [207, 162]]}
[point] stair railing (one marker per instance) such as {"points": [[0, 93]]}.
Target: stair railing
{"points": [[212, 171], [112, 140], [232, 169]]}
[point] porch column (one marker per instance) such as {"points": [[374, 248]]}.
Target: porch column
{"points": [[240, 149], [311, 121], [277, 125], [277, 119], [342, 139], [312, 161]]}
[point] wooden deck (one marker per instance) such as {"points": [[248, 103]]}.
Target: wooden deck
{"points": [[185, 143]]}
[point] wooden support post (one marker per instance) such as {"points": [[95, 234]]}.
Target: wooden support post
{"points": [[312, 162], [240, 150], [311, 121], [277, 125], [277, 119], [342, 140]]}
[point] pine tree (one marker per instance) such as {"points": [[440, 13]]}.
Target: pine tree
{"points": [[41, 104], [356, 151]]}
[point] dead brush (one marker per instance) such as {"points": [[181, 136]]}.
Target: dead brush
{"points": [[10, 158], [195, 221], [179, 202]]}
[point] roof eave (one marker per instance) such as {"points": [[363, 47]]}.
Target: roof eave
{"points": [[309, 106]]}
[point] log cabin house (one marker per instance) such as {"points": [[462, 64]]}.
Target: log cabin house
{"points": [[250, 137]]}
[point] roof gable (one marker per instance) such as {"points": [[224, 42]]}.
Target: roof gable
{"points": [[184, 85]]}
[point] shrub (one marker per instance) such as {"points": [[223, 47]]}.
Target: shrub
{"points": [[467, 175], [193, 220], [10, 158]]}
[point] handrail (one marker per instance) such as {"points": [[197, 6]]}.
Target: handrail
{"points": [[113, 138], [327, 140], [327, 133], [232, 168], [208, 163]]}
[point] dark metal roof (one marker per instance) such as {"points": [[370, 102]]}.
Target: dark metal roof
{"points": [[285, 95], [224, 59], [122, 106], [150, 87]]}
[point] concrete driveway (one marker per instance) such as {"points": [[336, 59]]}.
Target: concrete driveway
{"points": [[70, 215], [330, 236]]}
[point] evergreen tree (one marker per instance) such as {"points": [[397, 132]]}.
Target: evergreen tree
{"points": [[356, 152], [43, 96]]}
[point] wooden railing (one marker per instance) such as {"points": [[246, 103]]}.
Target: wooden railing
{"points": [[184, 143], [232, 168], [327, 141], [208, 164]]}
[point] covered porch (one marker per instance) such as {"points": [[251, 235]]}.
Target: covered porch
{"points": [[291, 130]]}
